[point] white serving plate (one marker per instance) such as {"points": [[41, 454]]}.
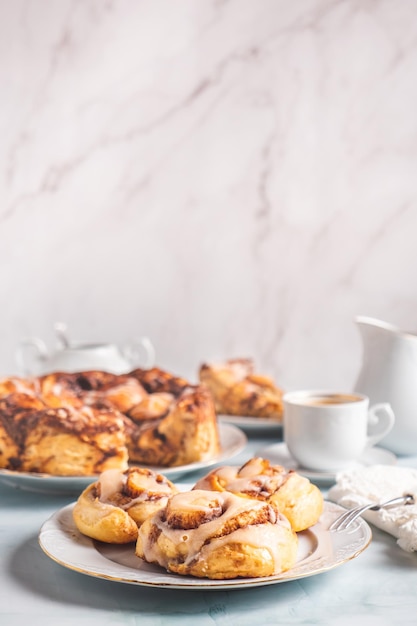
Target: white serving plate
{"points": [[319, 551]]}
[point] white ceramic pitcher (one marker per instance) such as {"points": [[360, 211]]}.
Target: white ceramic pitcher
{"points": [[33, 357], [389, 374]]}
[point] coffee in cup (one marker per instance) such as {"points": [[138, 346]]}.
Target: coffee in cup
{"points": [[330, 399], [328, 431]]}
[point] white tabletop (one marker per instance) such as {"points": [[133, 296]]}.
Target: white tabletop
{"points": [[377, 588]]}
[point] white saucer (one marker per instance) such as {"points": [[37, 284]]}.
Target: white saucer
{"points": [[264, 425], [278, 454]]}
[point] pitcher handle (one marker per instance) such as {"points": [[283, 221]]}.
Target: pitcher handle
{"points": [[140, 351], [22, 351], [381, 421]]}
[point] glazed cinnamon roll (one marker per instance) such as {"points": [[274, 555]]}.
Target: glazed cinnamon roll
{"points": [[219, 536], [238, 390], [112, 508], [294, 495]]}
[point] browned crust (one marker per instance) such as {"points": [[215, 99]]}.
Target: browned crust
{"points": [[238, 390], [104, 418], [189, 433]]}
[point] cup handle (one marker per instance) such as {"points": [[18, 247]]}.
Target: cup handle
{"points": [[22, 352], [381, 419], [139, 348]]}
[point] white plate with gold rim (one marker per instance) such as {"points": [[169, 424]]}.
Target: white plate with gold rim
{"points": [[232, 441], [319, 550]]}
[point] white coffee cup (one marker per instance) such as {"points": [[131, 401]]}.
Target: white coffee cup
{"points": [[328, 431]]}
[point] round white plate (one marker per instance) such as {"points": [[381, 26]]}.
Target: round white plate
{"points": [[232, 441], [319, 550], [262, 425], [278, 454]]}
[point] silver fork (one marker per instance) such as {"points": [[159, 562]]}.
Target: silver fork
{"points": [[348, 517]]}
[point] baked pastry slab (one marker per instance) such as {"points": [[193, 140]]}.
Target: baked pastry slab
{"points": [[13, 408], [219, 536], [91, 388], [238, 390], [72, 442], [83, 423], [156, 380], [16, 384], [295, 496], [188, 434]]}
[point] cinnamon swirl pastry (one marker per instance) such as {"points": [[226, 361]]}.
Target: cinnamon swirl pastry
{"points": [[15, 384], [295, 496], [186, 435], [72, 442], [156, 380], [154, 406], [91, 388], [238, 390], [219, 536], [96, 419], [112, 508], [13, 408]]}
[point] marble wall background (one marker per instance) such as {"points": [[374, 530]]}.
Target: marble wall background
{"points": [[229, 177]]}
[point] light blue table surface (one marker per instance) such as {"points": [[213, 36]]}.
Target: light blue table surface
{"points": [[377, 588]]}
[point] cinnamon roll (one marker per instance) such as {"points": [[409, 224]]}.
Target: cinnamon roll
{"points": [[112, 508], [219, 536], [238, 390], [295, 496]]}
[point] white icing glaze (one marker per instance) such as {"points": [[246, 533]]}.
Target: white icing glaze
{"points": [[153, 486], [249, 479], [114, 481], [144, 497], [111, 481], [253, 467]]}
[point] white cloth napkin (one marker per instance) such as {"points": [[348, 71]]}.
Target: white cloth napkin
{"points": [[378, 483]]}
